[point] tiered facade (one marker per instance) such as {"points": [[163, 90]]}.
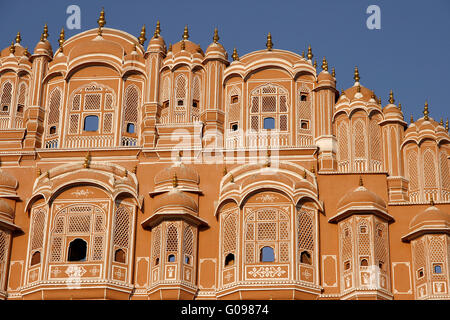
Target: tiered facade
{"points": [[133, 171]]}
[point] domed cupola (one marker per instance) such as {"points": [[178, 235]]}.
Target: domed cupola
{"points": [[6, 212], [157, 42], [361, 201], [325, 77], [187, 177], [8, 184], [391, 111], [215, 50], [43, 47], [186, 47], [431, 220]]}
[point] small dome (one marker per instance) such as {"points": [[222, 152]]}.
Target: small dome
{"points": [[216, 49], [6, 210], [325, 76], [7, 180], [189, 46], [183, 173], [43, 48], [360, 196], [391, 111], [156, 42], [431, 216], [175, 198], [364, 93]]}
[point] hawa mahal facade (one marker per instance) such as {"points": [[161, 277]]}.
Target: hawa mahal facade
{"points": [[146, 171]]}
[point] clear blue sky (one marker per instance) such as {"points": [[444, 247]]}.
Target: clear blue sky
{"points": [[410, 54]]}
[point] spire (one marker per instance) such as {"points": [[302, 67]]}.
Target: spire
{"points": [[216, 36], [361, 181], [157, 30], [441, 122], [18, 38], [333, 72], [170, 48], [175, 180], [425, 111], [235, 55], [342, 92], [412, 118], [310, 55], [12, 48], [183, 45], [324, 64], [61, 39], [142, 37], [315, 63], [25, 52], [186, 33], [87, 160], [101, 21], [303, 54], [356, 75], [358, 88], [399, 106], [44, 35], [446, 125], [269, 43], [391, 97]]}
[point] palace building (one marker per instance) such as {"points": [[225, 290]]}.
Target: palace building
{"points": [[134, 170]]}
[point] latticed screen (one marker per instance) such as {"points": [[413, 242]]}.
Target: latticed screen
{"points": [[267, 227], [156, 245], [131, 103], [6, 97], [188, 244], [86, 221], [346, 246], [229, 233], [419, 259], [165, 90], [343, 142], [412, 170], [234, 106], [364, 236], [445, 178], [4, 247], [438, 249], [180, 90], [122, 228], [359, 134], [269, 101], [21, 100], [38, 218], [53, 108], [91, 100], [305, 234], [375, 140], [429, 170], [172, 239]]}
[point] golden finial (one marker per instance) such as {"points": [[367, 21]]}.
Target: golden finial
{"points": [[38, 172], [216, 36], [12, 48], [47, 174], [44, 35], [183, 45], [441, 122], [310, 55], [324, 64], [412, 119], [391, 97], [18, 38], [425, 111], [342, 92], [356, 75], [269, 44], [303, 54], [304, 174], [87, 160], [446, 125], [225, 171], [101, 20], [126, 173], [142, 37], [232, 178], [379, 101], [432, 201], [373, 96], [186, 33], [61, 39], [358, 89], [25, 52], [360, 181], [235, 55], [170, 48], [333, 72], [313, 169], [175, 180], [157, 30], [400, 106], [134, 169], [315, 63]]}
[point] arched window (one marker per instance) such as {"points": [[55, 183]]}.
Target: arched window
{"points": [[267, 254], [305, 257], [229, 260], [53, 109], [120, 256], [180, 90], [36, 258], [130, 128], [364, 262], [77, 250], [171, 258], [90, 123], [269, 100], [437, 268]]}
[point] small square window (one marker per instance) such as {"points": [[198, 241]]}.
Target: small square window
{"points": [[347, 265], [234, 127], [269, 123], [5, 108], [380, 233], [420, 273], [180, 102], [304, 124], [234, 99], [303, 97], [437, 268], [362, 229]]}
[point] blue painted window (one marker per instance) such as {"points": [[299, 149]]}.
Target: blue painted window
{"points": [[91, 123], [130, 127], [269, 123], [267, 254]]}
